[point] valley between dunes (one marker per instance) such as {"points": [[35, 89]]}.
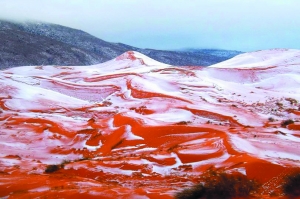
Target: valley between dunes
{"points": [[136, 128]]}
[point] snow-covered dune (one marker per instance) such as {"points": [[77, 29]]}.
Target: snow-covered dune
{"points": [[263, 58], [133, 127]]}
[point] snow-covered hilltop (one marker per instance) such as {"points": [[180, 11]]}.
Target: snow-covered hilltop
{"points": [[263, 58]]}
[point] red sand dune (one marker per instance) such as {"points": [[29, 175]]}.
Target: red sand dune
{"points": [[136, 128]]}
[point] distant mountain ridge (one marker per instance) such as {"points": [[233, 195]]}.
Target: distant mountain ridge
{"points": [[50, 44], [216, 52]]}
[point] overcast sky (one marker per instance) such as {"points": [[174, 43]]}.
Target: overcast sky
{"points": [[245, 25]]}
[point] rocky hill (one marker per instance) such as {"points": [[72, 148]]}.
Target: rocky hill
{"points": [[50, 44]]}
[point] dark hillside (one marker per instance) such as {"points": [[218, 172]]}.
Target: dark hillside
{"points": [[51, 44]]}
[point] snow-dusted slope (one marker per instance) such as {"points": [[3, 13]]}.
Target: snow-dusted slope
{"points": [[144, 60], [263, 58], [133, 127]]}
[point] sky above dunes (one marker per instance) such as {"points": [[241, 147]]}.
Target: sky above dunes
{"points": [[245, 25]]}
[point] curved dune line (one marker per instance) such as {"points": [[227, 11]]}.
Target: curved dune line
{"points": [[191, 86], [3, 107], [75, 86], [69, 83], [105, 77], [296, 112], [212, 148], [82, 86], [122, 119], [2, 103], [54, 127], [213, 115], [257, 69], [4, 117], [170, 70], [94, 93], [95, 136], [66, 73], [146, 94]]}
